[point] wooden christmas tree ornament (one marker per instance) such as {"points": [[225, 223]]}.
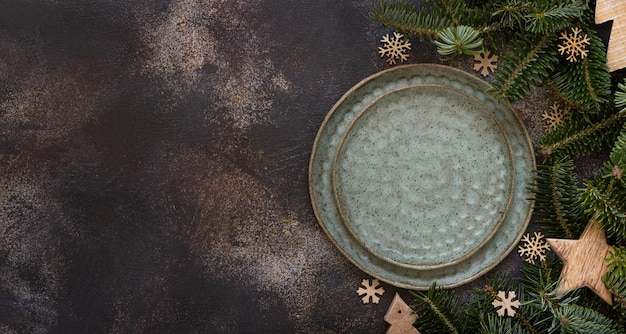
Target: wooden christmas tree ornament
{"points": [[615, 10], [583, 261], [401, 317]]}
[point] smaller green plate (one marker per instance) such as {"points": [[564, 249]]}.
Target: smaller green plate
{"points": [[410, 177]]}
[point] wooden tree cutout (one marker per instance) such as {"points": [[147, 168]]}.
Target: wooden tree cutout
{"points": [[401, 317], [615, 10], [583, 261]]}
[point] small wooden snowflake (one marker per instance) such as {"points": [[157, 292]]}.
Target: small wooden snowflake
{"points": [[555, 116], [534, 247], [370, 290], [485, 62], [574, 45], [394, 48], [505, 304]]}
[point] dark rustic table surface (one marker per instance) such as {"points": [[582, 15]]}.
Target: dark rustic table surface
{"points": [[154, 159]]}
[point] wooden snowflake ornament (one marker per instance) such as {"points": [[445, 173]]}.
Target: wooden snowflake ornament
{"points": [[534, 248], [401, 317], [370, 290], [574, 45], [555, 116], [614, 10], [583, 261], [504, 303], [394, 48], [485, 62]]}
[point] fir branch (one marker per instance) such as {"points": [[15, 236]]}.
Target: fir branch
{"points": [[605, 195], [556, 199], [616, 284], [409, 19], [439, 311], [559, 96], [531, 61], [609, 205], [616, 262], [453, 9], [551, 16], [577, 139], [493, 324], [511, 13], [578, 319], [584, 85], [459, 40]]}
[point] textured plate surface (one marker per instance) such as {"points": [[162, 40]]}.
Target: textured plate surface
{"points": [[324, 202], [410, 179]]}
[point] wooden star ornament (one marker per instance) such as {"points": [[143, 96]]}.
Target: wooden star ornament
{"points": [[614, 10], [583, 261]]}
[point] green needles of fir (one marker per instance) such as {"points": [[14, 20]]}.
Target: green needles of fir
{"points": [[440, 311], [578, 319], [429, 18], [556, 199], [459, 40], [620, 96], [579, 138], [493, 324], [610, 206], [409, 19], [584, 85], [616, 284], [538, 17], [605, 195], [616, 262], [511, 13], [551, 16], [532, 60]]}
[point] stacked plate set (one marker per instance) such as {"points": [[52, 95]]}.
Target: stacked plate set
{"points": [[419, 176]]}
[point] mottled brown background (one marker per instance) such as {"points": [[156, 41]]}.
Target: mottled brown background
{"points": [[153, 165]]}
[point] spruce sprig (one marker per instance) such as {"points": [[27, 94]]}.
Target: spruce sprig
{"points": [[616, 284], [584, 86], [532, 60], [605, 195], [579, 319], [556, 199], [409, 19], [579, 138], [551, 16], [440, 311], [459, 40]]}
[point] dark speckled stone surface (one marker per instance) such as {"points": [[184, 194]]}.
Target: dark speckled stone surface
{"points": [[153, 165]]}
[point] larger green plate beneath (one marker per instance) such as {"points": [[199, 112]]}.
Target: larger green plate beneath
{"points": [[382, 256]]}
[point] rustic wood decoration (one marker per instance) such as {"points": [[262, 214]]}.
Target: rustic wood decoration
{"points": [[505, 304], [615, 10], [534, 248], [394, 48], [368, 290], [401, 317], [583, 261], [574, 45], [555, 116], [485, 62]]}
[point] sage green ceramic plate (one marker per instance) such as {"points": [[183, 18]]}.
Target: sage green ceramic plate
{"points": [[410, 177], [326, 146]]}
